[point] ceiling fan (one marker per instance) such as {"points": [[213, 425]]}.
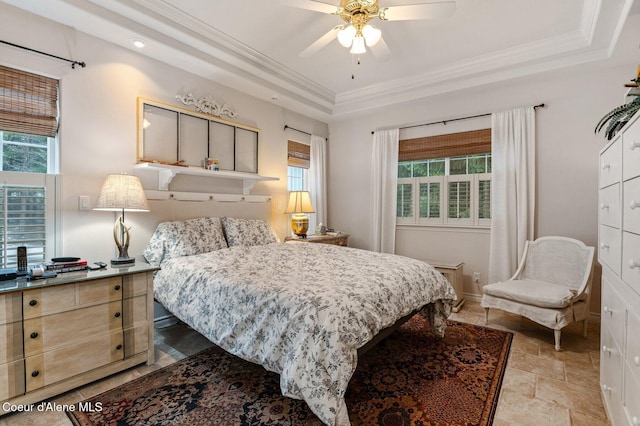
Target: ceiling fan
{"points": [[356, 32]]}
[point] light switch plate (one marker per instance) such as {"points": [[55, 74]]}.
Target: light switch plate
{"points": [[84, 202]]}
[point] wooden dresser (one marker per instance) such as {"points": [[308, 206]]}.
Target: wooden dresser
{"points": [[338, 240], [619, 254], [57, 334]]}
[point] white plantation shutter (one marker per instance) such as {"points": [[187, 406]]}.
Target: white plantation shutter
{"points": [[484, 199], [23, 213], [431, 199], [27, 217], [404, 196], [459, 204]]}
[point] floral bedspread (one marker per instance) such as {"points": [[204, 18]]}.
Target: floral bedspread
{"points": [[301, 310]]}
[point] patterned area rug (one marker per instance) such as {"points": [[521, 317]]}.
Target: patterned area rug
{"points": [[410, 378]]}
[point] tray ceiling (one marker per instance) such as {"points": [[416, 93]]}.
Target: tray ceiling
{"points": [[253, 45]]}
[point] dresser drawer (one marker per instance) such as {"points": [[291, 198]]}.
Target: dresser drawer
{"points": [[631, 205], [631, 396], [610, 205], [633, 345], [136, 340], [46, 333], [631, 148], [100, 291], [11, 380], [60, 364], [611, 164], [611, 365], [10, 342], [631, 260], [613, 312], [51, 300], [136, 285], [609, 248], [10, 307]]}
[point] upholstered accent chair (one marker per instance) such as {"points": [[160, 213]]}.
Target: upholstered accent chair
{"points": [[552, 285]]}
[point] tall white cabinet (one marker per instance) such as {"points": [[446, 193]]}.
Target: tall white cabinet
{"points": [[619, 254]]}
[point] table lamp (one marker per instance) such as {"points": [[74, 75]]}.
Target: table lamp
{"points": [[299, 204], [122, 193]]}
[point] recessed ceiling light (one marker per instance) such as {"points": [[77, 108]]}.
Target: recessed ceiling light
{"points": [[138, 43]]}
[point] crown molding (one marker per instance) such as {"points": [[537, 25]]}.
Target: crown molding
{"points": [[186, 42]]}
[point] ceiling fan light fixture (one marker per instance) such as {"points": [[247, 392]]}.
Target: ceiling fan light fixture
{"points": [[358, 46], [371, 35], [346, 35]]}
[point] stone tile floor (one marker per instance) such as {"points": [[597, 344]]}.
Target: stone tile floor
{"points": [[541, 386]]}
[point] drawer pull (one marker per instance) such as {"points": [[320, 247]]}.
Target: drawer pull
{"points": [[604, 246], [117, 287], [636, 360], [606, 166], [607, 310], [33, 303], [35, 373], [633, 145], [118, 347], [34, 335], [604, 206], [607, 388], [633, 264], [606, 349], [634, 205], [117, 315]]}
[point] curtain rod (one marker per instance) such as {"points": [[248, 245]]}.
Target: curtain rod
{"points": [[455, 119], [293, 128], [73, 63]]}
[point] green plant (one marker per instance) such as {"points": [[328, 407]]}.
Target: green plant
{"points": [[619, 116]]}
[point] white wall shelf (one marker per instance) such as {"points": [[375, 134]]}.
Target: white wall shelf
{"points": [[166, 174]]}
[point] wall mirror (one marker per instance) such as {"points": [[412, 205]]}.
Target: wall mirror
{"points": [[172, 135]]}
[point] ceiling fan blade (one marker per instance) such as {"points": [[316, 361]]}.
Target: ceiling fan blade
{"points": [[435, 10], [321, 42], [313, 5], [380, 50]]}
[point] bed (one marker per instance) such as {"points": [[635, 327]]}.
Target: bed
{"points": [[300, 310]]}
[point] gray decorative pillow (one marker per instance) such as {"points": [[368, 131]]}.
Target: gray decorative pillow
{"points": [[185, 238], [248, 232]]}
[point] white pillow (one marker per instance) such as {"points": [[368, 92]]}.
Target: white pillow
{"points": [[248, 232], [185, 238]]}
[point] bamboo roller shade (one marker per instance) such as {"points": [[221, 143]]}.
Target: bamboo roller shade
{"points": [[299, 154], [28, 103], [441, 146]]}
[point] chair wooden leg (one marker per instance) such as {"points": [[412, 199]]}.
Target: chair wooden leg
{"points": [[556, 336], [486, 316], [584, 327]]}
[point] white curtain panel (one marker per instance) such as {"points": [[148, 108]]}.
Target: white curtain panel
{"points": [[318, 179], [384, 187], [512, 189]]}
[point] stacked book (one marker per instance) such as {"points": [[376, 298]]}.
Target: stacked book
{"points": [[65, 266]]}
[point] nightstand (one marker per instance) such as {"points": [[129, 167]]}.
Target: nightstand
{"points": [[453, 272], [338, 240]]}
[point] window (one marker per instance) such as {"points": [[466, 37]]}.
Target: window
{"points": [[28, 129], [454, 190], [298, 162], [21, 152]]}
